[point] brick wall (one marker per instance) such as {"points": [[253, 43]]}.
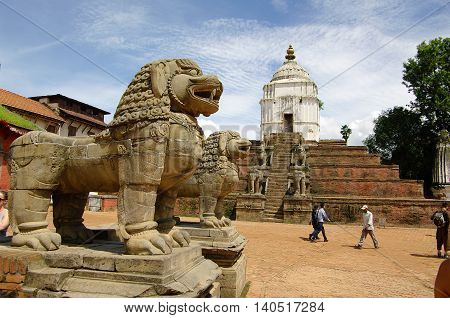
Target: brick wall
{"points": [[14, 264]]}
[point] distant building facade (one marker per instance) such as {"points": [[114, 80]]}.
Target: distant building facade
{"points": [[290, 102], [80, 119]]}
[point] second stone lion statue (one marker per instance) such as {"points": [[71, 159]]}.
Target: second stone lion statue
{"points": [[216, 176], [151, 147]]}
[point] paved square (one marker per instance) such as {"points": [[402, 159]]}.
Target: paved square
{"points": [[282, 263]]}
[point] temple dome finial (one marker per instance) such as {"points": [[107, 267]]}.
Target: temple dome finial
{"points": [[290, 53]]}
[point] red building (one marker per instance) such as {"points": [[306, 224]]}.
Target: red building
{"points": [[12, 126]]}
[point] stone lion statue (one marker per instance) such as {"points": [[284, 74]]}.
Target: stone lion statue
{"points": [[216, 176], [152, 145]]}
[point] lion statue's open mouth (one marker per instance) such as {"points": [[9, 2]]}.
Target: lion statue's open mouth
{"points": [[203, 91]]}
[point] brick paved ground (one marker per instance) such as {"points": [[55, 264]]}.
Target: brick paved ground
{"points": [[282, 263]]}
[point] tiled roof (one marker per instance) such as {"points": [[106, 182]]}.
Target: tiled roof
{"points": [[16, 101], [83, 117]]}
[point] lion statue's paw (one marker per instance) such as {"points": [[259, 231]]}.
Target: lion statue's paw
{"points": [[75, 233], [211, 222], [148, 243], [225, 221], [40, 240], [178, 238]]}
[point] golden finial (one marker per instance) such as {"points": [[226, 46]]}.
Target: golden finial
{"points": [[290, 53]]}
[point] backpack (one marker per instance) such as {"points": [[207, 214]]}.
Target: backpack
{"points": [[438, 219]]}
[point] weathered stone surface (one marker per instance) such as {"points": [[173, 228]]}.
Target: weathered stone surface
{"points": [[441, 169], [184, 273], [64, 259], [234, 278], [42, 293], [122, 289], [158, 264], [48, 278], [216, 176], [224, 247], [250, 207], [100, 261], [152, 145], [363, 187], [225, 237], [215, 290]]}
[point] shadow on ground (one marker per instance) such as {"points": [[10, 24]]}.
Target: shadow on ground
{"points": [[424, 255]]}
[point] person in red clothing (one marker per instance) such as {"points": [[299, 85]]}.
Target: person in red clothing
{"points": [[442, 283]]}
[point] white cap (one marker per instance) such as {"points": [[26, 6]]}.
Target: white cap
{"points": [[364, 207]]}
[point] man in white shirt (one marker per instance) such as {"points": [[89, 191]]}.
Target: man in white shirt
{"points": [[367, 227]]}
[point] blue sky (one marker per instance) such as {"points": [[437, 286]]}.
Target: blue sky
{"points": [[243, 42]]}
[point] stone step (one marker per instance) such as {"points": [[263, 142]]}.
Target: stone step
{"points": [[367, 159], [273, 220], [353, 172], [371, 188]]}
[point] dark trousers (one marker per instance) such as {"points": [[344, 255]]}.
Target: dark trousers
{"points": [[319, 228], [442, 238]]}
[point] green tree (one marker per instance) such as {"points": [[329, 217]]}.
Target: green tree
{"points": [[396, 137], [320, 105], [346, 132], [427, 75], [407, 136]]}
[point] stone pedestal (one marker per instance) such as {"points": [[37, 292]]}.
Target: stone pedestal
{"points": [[297, 209], [103, 270], [225, 248], [250, 207]]}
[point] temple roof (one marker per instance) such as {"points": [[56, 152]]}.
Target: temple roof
{"points": [[290, 68]]}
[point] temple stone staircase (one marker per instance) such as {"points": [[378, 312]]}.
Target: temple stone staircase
{"points": [[278, 175]]}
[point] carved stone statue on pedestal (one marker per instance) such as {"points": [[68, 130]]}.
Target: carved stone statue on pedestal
{"points": [[441, 171], [262, 156], [253, 180], [216, 176], [299, 182], [298, 156], [152, 146]]}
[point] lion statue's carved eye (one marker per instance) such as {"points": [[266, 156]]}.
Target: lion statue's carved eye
{"points": [[193, 72]]}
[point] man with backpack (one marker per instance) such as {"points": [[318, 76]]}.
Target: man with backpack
{"points": [[321, 217], [441, 220]]}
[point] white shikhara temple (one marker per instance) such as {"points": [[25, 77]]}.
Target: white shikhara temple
{"points": [[290, 102]]}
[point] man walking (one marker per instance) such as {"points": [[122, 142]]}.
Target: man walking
{"points": [[313, 222], [368, 227], [321, 218], [441, 220]]}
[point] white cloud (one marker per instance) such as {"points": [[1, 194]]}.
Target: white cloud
{"points": [[280, 5], [208, 126], [245, 53]]}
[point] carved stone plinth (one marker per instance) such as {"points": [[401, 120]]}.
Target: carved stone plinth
{"points": [[297, 208], [225, 247], [103, 270], [250, 207]]}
